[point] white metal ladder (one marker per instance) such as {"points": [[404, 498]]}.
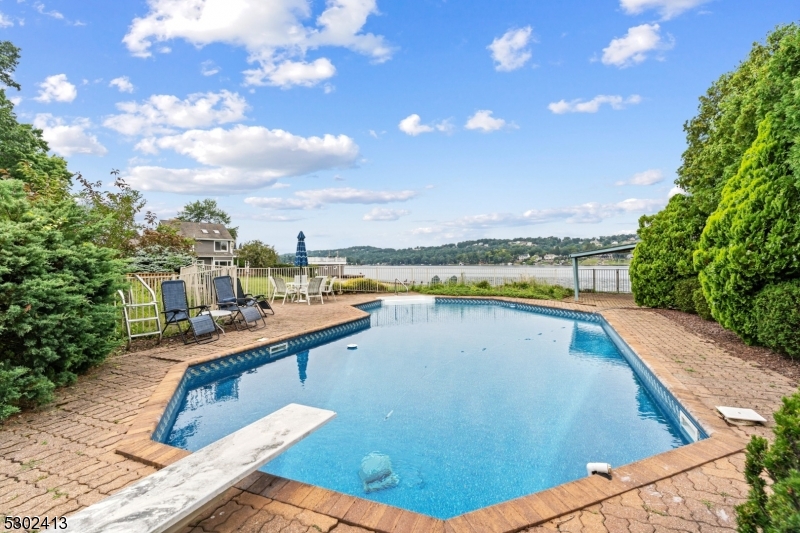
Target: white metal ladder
{"points": [[137, 312]]}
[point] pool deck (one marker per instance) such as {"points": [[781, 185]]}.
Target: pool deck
{"points": [[66, 456]]}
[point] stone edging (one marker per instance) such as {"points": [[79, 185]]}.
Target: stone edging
{"points": [[505, 517]]}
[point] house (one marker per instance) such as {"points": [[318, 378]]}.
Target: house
{"points": [[523, 257], [549, 257], [213, 243]]}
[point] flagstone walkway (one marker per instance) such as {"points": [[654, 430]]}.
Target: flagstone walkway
{"points": [[62, 458]]}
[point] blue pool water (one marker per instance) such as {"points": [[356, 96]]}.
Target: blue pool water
{"points": [[474, 404]]}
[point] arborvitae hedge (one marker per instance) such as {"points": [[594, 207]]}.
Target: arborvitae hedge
{"points": [[664, 255]]}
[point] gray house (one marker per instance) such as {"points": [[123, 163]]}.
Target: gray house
{"points": [[213, 244]]}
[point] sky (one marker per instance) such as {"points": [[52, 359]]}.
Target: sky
{"points": [[377, 122]]}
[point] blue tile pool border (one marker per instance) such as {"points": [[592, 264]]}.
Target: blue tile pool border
{"points": [[203, 373], [210, 371]]}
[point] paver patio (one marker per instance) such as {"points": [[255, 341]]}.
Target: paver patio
{"points": [[62, 458]]}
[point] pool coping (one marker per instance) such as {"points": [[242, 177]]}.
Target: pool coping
{"points": [[505, 517]]}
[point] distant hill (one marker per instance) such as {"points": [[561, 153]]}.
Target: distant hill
{"points": [[481, 251]]}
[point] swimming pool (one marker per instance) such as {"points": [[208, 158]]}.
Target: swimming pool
{"points": [[474, 402]]}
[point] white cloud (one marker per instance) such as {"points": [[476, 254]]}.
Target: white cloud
{"points": [[667, 8], [634, 47], [274, 33], [648, 177], [209, 68], [484, 121], [16, 100], [68, 139], [317, 198], [5, 21], [123, 83], [56, 88], [163, 113], [412, 125], [593, 106], [676, 190], [385, 215], [510, 51], [41, 9], [290, 73], [240, 159], [588, 213]]}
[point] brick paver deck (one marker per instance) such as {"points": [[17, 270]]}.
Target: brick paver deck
{"points": [[62, 458]]}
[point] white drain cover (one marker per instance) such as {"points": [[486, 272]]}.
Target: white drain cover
{"points": [[737, 413]]}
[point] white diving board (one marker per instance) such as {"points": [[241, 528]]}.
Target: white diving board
{"points": [[167, 498]]}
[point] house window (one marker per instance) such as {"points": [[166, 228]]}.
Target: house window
{"points": [[216, 231], [222, 263], [220, 246], [204, 230]]}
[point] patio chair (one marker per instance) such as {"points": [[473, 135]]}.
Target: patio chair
{"points": [[177, 310], [327, 289], [227, 301], [312, 290], [280, 289], [251, 300]]}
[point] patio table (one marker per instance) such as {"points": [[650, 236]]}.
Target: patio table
{"points": [[216, 314]]}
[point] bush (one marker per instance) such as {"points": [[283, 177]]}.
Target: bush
{"points": [[752, 239], [522, 289], [780, 510], [777, 311], [57, 288], [158, 259], [684, 294], [663, 257], [701, 304]]}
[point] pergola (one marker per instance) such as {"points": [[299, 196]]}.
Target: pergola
{"points": [[601, 251]]}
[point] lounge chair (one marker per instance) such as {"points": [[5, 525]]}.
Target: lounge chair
{"points": [[279, 289], [327, 289], [177, 311], [250, 300], [227, 301], [312, 290]]}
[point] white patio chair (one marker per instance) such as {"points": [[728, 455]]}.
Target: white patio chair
{"points": [[280, 289], [328, 288], [312, 290]]}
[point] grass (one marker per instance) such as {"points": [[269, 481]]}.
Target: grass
{"points": [[519, 289]]}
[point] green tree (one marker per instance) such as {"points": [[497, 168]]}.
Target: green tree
{"points": [[206, 211], [56, 284], [663, 257], [57, 288], [753, 238], [778, 512], [257, 255]]}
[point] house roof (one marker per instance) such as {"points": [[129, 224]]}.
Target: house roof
{"points": [[202, 230]]}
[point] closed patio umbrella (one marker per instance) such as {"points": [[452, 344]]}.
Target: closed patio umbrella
{"points": [[300, 256]]}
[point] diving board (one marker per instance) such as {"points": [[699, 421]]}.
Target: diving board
{"points": [[167, 498]]}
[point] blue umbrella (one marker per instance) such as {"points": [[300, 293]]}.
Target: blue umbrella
{"points": [[300, 256]]}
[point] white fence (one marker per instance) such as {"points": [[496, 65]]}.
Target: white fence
{"points": [[200, 291], [598, 279]]}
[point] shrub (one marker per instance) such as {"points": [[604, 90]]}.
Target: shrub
{"points": [[158, 259], [752, 239], [684, 294], [57, 288], [780, 510], [664, 255], [701, 304], [777, 311], [523, 289]]}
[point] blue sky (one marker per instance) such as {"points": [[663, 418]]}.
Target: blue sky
{"points": [[384, 123]]}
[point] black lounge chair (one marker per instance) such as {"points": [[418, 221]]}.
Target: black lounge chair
{"points": [[250, 300], [177, 311], [227, 301]]}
